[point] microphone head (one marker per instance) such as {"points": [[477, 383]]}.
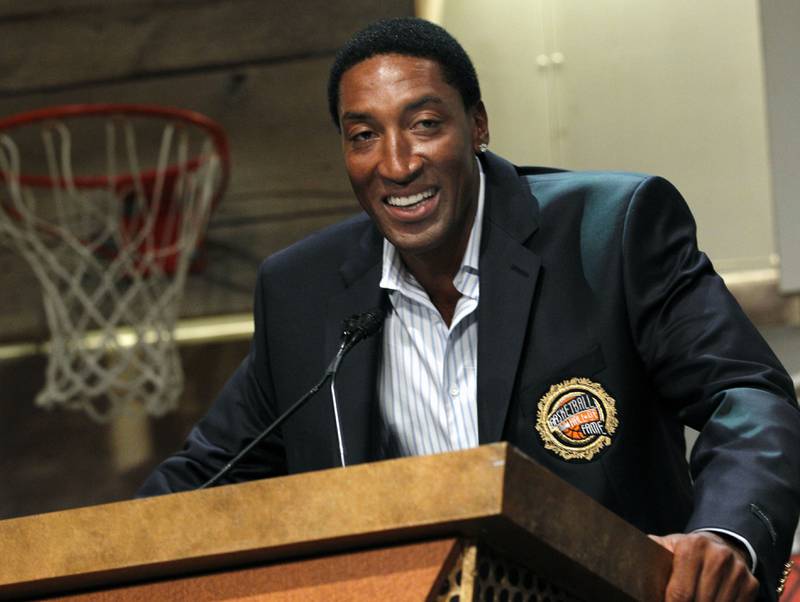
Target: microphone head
{"points": [[363, 325]]}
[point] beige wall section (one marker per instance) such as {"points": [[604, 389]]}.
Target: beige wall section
{"points": [[504, 45], [780, 27], [673, 87]]}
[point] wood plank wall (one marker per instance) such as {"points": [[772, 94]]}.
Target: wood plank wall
{"points": [[258, 67]]}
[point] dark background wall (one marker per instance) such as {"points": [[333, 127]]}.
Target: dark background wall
{"points": [[259, 68]]}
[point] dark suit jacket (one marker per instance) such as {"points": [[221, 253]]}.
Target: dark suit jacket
{"points": [[593, 275]]}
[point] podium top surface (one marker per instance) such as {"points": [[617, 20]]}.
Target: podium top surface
{"points": [[492, 493]]}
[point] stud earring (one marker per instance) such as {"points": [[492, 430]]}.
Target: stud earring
{"points": [[483, 147]]}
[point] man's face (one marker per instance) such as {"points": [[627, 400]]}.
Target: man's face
{"points": [[409, 149]]}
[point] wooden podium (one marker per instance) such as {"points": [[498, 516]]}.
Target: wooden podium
{"points": [[482, 524]]}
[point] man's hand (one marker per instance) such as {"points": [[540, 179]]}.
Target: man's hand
{"points": [[707, 568]]}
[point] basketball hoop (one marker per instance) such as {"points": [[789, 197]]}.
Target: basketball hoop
{"points": [[111, 252]]}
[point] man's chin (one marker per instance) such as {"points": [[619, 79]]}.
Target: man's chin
{"points": [[418, 247]]}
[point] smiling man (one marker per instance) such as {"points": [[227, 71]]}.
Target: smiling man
{"points": [[568, 313], [409, 147]]}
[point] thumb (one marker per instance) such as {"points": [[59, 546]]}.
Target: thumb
{"points": [[666, 541]]}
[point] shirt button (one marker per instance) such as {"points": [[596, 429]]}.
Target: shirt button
{"points": [[454, 391]]}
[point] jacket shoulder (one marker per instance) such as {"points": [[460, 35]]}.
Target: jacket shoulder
{"points": [[325, 248], [603, 200], [550, 185], [595, 208]]}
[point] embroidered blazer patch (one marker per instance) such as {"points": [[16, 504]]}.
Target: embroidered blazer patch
{"points": [[576, 419]]}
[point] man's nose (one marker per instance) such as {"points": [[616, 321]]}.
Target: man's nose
{"points": [[400, 163]]}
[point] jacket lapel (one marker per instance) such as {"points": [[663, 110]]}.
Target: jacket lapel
{"points": [[508, 276], [357, 377]]}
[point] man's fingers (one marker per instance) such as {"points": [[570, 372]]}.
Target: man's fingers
{"points": [[725, 572], [741, 586], [706, 568], [687, 564], [718, 561]]}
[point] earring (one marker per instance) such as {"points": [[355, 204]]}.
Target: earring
{"points": [[483, 147]]}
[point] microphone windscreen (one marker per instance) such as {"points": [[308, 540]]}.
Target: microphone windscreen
{"points": [[363, 325], [373, 320]]}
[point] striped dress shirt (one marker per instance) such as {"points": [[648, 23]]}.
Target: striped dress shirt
{"points": [[427, 381]]}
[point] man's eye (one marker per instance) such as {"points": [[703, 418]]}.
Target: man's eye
{"points": [[362, 136], [427, 124]]}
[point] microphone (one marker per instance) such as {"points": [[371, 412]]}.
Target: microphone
{"points": [[362, 326], [356, 328]]}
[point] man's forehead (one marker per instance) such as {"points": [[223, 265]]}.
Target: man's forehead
{"points": [[397, 73], [396, 56]]}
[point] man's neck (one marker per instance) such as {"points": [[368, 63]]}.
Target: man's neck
{"points": [[436, 271], [441, 291]]}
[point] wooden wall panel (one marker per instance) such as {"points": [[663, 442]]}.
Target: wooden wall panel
{"points": [[257, 67], [276, 117], [52, 460], [287, 176], [55, 44]]}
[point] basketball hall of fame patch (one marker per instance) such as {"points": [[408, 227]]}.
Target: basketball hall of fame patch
{"points": [[576, 419]]}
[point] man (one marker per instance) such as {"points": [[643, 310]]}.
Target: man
{"points": [[568, 313]]}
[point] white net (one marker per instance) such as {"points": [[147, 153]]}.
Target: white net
{"points": [[111, 253]]}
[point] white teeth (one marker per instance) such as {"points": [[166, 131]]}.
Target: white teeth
{"points": [[407, 201]]}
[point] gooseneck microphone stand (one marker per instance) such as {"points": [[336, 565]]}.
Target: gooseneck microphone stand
{"points": [[355, 329]]}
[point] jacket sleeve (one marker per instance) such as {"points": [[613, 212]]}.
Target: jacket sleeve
{"points": [[716, 372], [240, 413]]}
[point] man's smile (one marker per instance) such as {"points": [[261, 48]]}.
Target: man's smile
{"points": [[413, 199], [413, 208]]}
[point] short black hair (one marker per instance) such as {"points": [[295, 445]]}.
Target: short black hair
{"points": [[410, 37]]}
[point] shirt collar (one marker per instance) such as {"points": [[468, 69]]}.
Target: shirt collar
{"points": [[394, 273]]}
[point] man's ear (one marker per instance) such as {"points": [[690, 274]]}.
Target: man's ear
{"points": [[480, 125]]}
